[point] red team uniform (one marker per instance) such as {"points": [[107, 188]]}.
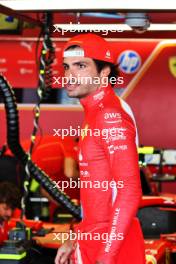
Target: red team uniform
{"points": [[109, 157]]}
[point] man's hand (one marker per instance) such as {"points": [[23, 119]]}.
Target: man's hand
{"points": [[64, 252]]}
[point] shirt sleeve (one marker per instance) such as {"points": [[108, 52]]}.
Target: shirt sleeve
{"points": [[118, 136]]}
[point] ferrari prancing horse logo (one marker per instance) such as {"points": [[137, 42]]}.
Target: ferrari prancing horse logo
{"points": [[172, 65], [84, 131]]}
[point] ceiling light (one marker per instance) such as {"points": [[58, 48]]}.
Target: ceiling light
{"points": [[67, 5]]}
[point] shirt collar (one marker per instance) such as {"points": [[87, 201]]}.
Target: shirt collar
{"points": [[95, 98]]}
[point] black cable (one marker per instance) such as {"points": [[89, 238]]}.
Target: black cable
{"points": [[14, 145], [45, 72], [44, 88]]}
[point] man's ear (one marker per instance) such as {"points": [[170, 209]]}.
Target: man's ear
{"points": [[105, 72]]}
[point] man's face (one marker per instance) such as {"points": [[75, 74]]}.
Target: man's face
{"points": [[5, 212], [79, 68]]}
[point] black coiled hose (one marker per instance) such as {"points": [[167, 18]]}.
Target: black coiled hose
{"points": [[17, 150]]}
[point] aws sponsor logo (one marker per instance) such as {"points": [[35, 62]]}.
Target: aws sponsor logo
{"points": [[112, 118]]}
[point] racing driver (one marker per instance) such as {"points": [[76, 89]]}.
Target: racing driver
{"points": [[107, 153]]}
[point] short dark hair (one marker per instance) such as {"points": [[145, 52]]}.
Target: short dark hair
{"points": [[102, 64], [10, 195]]}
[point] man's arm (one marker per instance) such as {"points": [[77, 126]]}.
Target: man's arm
{"points": [[71, 167], [64, 252], [120, 149]]}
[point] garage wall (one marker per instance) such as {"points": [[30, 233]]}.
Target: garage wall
{"points": [[153, 99], [150, 91]]}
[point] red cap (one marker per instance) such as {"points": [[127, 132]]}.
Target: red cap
{"points": [[93, 46]]}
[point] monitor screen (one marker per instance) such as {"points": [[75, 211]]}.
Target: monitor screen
{"points": [[169, 157], [152, 159]]}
